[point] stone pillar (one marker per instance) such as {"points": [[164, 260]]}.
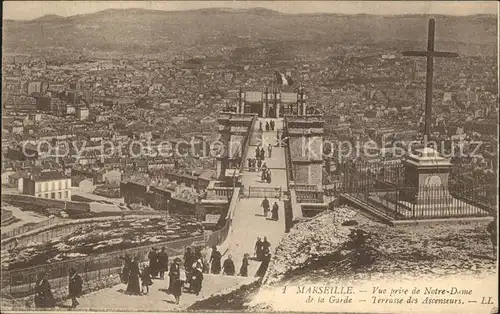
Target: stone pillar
{"points": [[304, 106], [277, 97], [219, 169], [242, 102], [265, 103]]}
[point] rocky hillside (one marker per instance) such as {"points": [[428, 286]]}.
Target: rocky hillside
{"points": [[212, 31], [344, 244]]}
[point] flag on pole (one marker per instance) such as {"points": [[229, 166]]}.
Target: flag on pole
{"points": [[282, 79]]}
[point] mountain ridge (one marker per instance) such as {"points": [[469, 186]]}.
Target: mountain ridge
{"points": [[249, 10], [209, 30]]}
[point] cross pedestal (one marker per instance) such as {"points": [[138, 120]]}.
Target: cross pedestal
{"points": [[427, 178]]}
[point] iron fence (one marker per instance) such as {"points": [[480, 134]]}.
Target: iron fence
{"points": [[401, 201], [19, 283], [261, 192], [28, 227]]}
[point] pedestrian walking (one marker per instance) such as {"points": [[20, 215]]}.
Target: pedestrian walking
{"points": [[265, 205], [259, 163], [266, 245], [262, 153], [258, 249], [153, 261], [133, 278], [267, 126], [175, 284], [162, 262], [269, 150], [274, 211], [74, 287], [244, 266], [263, 175], [228, 267], [268, 176], [146, 279], [272, 125], [260, 125], [197, 276], [43, 292], [215, 261], [188, 264]]}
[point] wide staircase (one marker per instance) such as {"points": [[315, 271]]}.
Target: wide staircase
{"points": [[248, 220]]}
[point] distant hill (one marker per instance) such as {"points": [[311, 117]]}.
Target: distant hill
{"points": [[49, 17], [205, 30]]}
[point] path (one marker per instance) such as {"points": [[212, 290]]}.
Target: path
{"points": [[157, 300], [248, 221]]}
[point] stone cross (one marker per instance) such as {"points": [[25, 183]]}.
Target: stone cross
{"points": [[430, 54]]}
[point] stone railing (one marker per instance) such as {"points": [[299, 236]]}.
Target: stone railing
{"points": [[239, 129], [219, 193], [246, 143], [309, 196], [304, 187]]}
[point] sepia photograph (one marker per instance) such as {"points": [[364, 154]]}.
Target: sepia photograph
{"points": [[249, 156]]}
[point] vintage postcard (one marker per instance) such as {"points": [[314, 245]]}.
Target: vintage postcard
{"points": [[249, 156]]}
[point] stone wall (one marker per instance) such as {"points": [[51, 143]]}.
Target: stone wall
{"points": [[316, 175], [47, 203], [301, 173]]}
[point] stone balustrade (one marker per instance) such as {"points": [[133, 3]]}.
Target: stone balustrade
{"points": [[219, 193]]}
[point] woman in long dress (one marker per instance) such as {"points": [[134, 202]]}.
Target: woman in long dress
{"points": [[43, 297], [175, 285], [126, 269], [244, 266], [215, 259], [274, 211], [133, 286]]}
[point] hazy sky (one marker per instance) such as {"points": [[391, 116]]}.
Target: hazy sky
{"points": [[25, 10]]}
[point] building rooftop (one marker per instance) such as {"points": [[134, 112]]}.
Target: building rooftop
{"points": [[48, 176]]}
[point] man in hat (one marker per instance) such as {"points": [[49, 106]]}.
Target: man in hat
{"points": [[153, 262], [265, 205]]}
